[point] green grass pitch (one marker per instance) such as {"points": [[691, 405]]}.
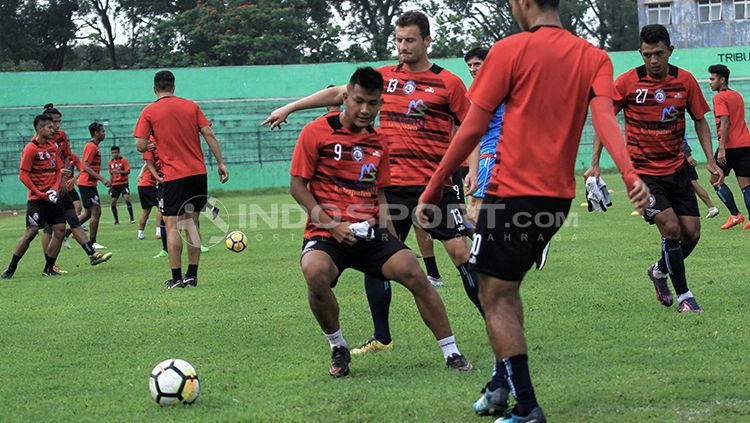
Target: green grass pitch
{"points": [[80, 347]]}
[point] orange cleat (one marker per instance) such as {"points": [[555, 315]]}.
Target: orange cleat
{"points": [[747, 225], [733, 221]]}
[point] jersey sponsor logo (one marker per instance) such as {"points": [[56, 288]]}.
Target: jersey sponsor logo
{"points": [[678, 95], [669, 114], [410, 87], [368, 172], [376, 153], [429, 90], [416, 108], [660, 96], [353, 188], [358, 154]]}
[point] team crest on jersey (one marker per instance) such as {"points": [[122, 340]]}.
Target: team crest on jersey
{"points": [[410, 87], [660, 96], [651, 200], [357, 154]]}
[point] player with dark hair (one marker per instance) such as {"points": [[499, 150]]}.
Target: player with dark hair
{"points": [[733, 152], [547, 79], [40, 172], [89, 178], [175, 124], [119, 169], [339, 170], [423, 103], [655, 98], [148, 182]]}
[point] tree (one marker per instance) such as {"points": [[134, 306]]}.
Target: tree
{"points": [[371, 22], [612, 24], [95, 15]]}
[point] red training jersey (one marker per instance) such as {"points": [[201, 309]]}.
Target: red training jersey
{"points": [[175, 124], [60, 139], [119, 164], [92, 157], [417, 117], [148, 179], [73, 163], [729, 103], [40, 160], [655, 117], [546, 77], [345, 170]]}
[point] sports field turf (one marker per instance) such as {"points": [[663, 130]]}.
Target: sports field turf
{"points": [[80, 347]]}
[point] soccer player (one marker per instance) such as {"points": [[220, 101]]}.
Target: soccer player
{"points": [[339, 170], [175, 123], [734, 143], [119, 169], [547, 79], [148, 181], [422, 104], [655, 98], [74, 163], [713, 211], [40, 172], [89, 178]]}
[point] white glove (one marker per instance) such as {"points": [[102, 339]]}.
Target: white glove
{"points": [[52, 195], [362, 230]]}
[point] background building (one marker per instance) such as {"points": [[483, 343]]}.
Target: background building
{"points": [[700, 23]]}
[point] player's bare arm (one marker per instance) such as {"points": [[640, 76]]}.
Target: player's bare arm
{"points": [[704, 136], [213, 145], [333, 96], [721, 155], [385, 215], [141, 144], [302, 195], [94, 174]]}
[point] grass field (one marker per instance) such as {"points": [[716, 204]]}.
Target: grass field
{"points": [[80, 347]]}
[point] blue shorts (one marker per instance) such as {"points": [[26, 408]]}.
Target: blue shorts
{"points": [[483, 177]]}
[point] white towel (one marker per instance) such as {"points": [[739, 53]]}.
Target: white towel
{"points": [[362, 230], [597, 195]]}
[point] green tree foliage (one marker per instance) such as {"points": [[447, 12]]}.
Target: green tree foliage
{"points": [[612, 24]]}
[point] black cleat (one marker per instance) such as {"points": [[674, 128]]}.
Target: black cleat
{"points": [[174, 283], [214, 213], [51, 272], [536, 416], [7, 274], [189, 281], [340, 359], [458, 362]]}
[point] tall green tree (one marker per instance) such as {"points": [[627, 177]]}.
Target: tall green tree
{"points": [[371, 25], [613, 24]]}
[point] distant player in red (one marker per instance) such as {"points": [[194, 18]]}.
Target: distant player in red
{"points": [[148, 191], [422, 105], [90, 177], [733, 152], [339, 171], [119, 169], [656, 98], [176, 125], [40, 172], [74, 164], [547, 78]]}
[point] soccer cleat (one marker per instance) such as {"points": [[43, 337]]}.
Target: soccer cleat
{"points": [[50, 272], [173, 283], [132, 222], [491, 403], [663, 294], [436, 282], [98, 258], [372, 346], [189, 281], [98, 246], [747, 225], [733, 221], [542, 259], [66, 243], [141, 237], [689, 305], [458, 362], [58, 270], [340, 359], [536, 416], [712, 212], [214, 213], [7, 274], [204, 249], [161, 254]]}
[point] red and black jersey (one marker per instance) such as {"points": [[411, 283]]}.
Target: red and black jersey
{"points": [[345, 170], [73, 163], [40, 160], [92, 157], [148, 179], [120, 164], [60, 139], [418, 114], [729, 103], [655, 117]]}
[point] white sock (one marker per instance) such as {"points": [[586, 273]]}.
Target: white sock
{"points": [[658, 273], [140, 233], [684, 297], [448, 345], [336, 339]]}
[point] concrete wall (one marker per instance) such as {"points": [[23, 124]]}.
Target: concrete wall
{"points": [[687, 32]]}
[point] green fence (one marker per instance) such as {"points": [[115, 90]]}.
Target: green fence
{"points": [[236, 100]]}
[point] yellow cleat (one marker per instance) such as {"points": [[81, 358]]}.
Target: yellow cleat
{"points": [[372, 346]]}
